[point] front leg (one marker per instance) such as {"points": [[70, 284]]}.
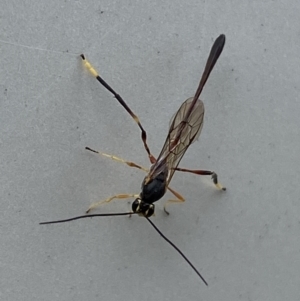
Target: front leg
{"points": [[117, 196]]}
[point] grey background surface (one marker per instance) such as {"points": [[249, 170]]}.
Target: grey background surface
{"points": [[245, 242]]}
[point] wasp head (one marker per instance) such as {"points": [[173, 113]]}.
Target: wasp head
{"points": [[138, 206]]}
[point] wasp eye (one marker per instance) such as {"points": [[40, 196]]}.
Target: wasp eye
{"points": [[149, 212], [136, 205]]}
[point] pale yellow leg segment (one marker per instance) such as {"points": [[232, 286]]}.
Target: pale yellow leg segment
{"points": [[88, 65], [180, 199], [117, 196], [220, 187], [215, 180], [129, 163]]}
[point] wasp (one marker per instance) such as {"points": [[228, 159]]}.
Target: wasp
{"points": [[185, 128]]}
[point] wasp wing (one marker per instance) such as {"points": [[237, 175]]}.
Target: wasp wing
{"points": [[186, 124], [184, 130]]}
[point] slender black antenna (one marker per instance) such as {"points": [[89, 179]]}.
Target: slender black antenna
{"points": [[176, 248], [130, 213], [86, 216]]}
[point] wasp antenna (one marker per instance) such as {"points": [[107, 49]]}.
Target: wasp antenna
{"points": [[176, 248], [128, 213], [86, 216]]}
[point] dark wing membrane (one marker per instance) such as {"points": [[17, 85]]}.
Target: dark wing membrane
{"points": [[181, 135]]}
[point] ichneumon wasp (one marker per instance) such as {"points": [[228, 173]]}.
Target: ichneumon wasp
{"points": [[185, 128]]}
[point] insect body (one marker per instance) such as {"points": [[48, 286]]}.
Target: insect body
{"points": [[185, 128]]}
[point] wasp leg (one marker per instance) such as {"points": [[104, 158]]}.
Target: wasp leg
{"points": [[180, 199], [93, 71], [129, 163], [213, 175], [117, 196]]}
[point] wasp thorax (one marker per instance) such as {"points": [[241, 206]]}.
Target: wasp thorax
{"points": [[138, 206]]}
